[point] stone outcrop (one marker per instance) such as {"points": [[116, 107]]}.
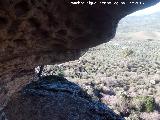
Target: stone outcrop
{"points": [[55, 98], [39, 32]]}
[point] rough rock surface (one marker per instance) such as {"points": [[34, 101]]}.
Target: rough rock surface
{"points": [[55, 98], [35, 32]]}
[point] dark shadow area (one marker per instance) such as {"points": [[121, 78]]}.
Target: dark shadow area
{"points": [[56, 98]]}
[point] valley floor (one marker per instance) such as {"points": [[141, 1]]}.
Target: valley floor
{"points": [[123, 73]]}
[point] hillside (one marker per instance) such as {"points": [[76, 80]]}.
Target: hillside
{"points": [[141, 23]]}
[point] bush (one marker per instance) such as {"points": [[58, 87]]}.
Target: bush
{"points": [[144, 104], [149, 104], [127, 52], [61, 73]]}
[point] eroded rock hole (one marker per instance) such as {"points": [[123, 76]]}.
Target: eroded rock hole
{"points": [[14, 27], [62, 32], [34, 22], [21, 8], [53, 20], [3, 22], [20, 42]]}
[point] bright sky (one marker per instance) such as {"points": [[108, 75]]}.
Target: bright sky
{"points": [[147, 11]]}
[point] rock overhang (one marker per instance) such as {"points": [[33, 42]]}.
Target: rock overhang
{"points": [[45, 32]]}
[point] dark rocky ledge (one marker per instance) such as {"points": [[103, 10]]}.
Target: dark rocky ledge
{"points": [[55, 98]]}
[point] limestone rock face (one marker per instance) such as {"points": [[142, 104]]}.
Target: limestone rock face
{"points": [[40, 32]]}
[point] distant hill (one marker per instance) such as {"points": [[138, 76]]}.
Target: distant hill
{"points": [[148, 23]]}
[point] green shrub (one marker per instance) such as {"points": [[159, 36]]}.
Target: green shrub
{"points": [[144, 104], [127, 52], [149, 104], [61, 73]]}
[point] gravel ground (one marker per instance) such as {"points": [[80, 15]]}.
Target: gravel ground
{"points": [[123, 73]]}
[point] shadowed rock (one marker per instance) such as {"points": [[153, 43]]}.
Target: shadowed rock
{"points": [[55, 98]]}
